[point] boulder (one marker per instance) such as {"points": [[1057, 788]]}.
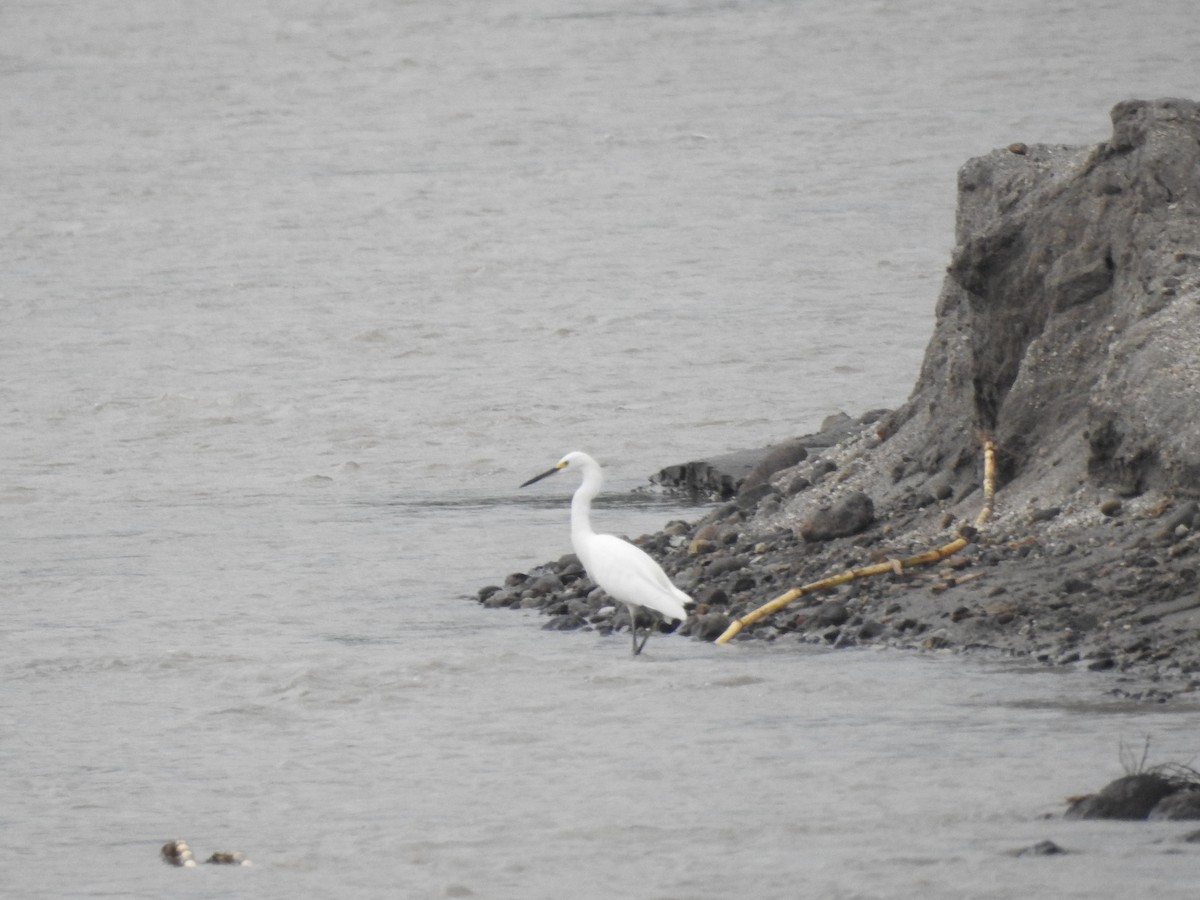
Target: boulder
{"points": [[1129, 797]]}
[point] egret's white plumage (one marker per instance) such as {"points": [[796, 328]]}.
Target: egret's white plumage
{"points": [[625, 572]]}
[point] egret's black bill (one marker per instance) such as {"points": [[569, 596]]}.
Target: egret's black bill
{"points": [[545, 474]]}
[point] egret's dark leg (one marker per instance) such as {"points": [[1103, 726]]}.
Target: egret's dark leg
{"points": [[645, 637], [637, 648]]}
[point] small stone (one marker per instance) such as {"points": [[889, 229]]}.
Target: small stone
{"points": [[1041, 848], [1018, 148], [699, 547], [831, 612], [546, 584], [724, 565], [498, 600], [1001, 608], [850, 515], [1076, 586], [1110, 507], [226, 858], [709, 627], [870, 629]]}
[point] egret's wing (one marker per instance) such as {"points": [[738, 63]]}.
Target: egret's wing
{"points": [[629, 575]]}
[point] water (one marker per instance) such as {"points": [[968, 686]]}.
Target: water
{"points": [[294, 295]]}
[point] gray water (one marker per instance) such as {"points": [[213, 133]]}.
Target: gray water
{"points": [[295, 294]]}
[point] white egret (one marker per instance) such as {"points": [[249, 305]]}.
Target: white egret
{"points": [[625, 572]]}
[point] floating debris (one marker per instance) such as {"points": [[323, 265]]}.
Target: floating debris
{"points": [[228, 858], [178, 853]]}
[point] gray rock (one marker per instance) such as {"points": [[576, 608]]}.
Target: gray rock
{"points": [[831, 612], [783, 456], [1129, 797], [1178, 806], [725, 475], [850, 515], [1041, 848], [708, 627]]}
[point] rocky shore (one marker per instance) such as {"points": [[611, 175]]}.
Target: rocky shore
{"points": [[1067, 330]]}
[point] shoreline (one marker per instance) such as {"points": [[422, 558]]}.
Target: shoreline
{"points": [[1096, 583], [1067, 335]]}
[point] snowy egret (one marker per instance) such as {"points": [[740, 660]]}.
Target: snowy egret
{"points": [[624, 571]]}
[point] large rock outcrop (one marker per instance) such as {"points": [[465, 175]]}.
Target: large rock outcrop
{"points": [[1069, 323]]}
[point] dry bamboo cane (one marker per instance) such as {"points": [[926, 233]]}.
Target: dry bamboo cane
{"points": [[929, 556], [989, 480]]}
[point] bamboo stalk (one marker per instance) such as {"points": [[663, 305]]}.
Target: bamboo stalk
{"points": [[929, 556], [989, 480]]}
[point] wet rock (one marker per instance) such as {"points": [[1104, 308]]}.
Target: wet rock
{"points": [[227, 858], [750, 498], [709, 627], [1041, 848], [831, 612], [724, 565], [499, 600], [1045, 515], [564, 622], [725, 475], [871, 629], [713, 596], [1179, 523], [545, 584], [1129, 797], [850, 515], [780, 457], [1183, 804]]}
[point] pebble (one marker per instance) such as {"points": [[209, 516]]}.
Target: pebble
{"points": [[1041, 848]]}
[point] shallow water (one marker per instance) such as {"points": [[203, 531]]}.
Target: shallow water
{"points": [[294, 295]]}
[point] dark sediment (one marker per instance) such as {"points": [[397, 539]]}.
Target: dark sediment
{"points": [[1068, 328]]}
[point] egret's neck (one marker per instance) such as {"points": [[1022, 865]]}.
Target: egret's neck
{"points": [[581, 504]]}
